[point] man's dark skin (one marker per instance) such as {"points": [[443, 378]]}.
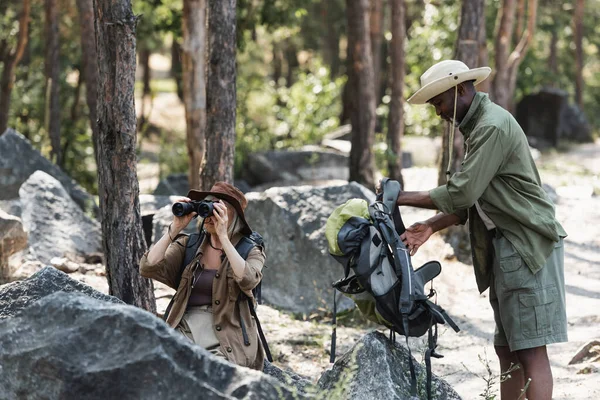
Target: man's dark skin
{"points": [[535, 363]]}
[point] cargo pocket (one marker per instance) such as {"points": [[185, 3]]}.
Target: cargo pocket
{"points": [[537, 311], [515, 273]]}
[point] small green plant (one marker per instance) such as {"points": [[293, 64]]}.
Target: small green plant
{"points": [[490, 379]]}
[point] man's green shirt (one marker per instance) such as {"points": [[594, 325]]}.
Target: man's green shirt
{"points": [[499, 171]]}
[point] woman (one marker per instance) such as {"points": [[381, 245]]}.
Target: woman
{"points": [[206, 303]]}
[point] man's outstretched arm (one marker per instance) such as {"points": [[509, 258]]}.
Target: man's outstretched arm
{"points": [[416, 199]]}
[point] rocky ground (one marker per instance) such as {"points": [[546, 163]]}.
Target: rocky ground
{"points": [[302, 343]]}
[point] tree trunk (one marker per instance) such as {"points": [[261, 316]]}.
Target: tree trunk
{"points": [[396, 114], [89, 66], [291, 57], [7, 80], [516, 57], [332, 39], [502, 49], [483, 54], [123, 238], [520, 22], [507, 63], [468, 47], [194, 84], [146, 76], [553, 59], [578, 33], [52, 78], [362, 166], [220, 93], [376, 34], [176, 68]]}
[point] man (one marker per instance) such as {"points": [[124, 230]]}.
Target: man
{"points": [[516, 242]]}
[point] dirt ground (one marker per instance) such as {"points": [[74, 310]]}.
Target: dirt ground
{"points": [[303, 345]]}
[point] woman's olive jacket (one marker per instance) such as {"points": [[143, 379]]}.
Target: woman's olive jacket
{"points": [[232, 317]]}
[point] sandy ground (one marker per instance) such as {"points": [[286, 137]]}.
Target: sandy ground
{"points": [[303, 345]]}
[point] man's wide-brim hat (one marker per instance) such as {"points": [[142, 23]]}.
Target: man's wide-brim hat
{"points": [[445, 75], [230, 194]]}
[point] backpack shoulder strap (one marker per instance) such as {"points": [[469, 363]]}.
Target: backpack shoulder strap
{"points": [[192, 247], [389, 197], [247, 243]]}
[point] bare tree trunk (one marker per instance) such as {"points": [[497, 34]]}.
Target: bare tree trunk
{"points": [[332, 40], [376, 34], [553, 59], [468, 48], [144, 61], [396, 115], [483, 53], [578, 33], [194, 85], [52, 78], [176, 68], [507, 63], [516, 57], [291, 57], [520, 22], [123, 238], [502, 50], [10, 61], [362, 165], [220, 93], [89, 66]]}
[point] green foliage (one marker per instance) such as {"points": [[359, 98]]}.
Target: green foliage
{"points": [[270, 116], [173, 156]]}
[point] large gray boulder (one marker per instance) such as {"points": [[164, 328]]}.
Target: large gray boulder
{"points": [[16, 296], [299, 270], [57, 227], [376, 368], [290, 378], [18, 160], [547, 116], [174, 184], [70, 346], [12, 239], [293, 167]]}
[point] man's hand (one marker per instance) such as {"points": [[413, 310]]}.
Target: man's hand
{"points": [[416, 235]]}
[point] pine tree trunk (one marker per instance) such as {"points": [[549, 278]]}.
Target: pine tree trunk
{"points": [[362, 165], [396, 115], [176, 68], [194, 84], [52, 78], [89, 64], [220, 93], [123, 238], [578, 33], [502, 50], [376, 34], [483, 54], [332, 39], [7, 80], [468, 47], [553, 59]]}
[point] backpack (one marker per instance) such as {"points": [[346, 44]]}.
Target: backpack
{"points": [[243, 247], [378, 273]]}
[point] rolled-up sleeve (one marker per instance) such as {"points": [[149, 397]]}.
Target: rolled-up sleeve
{"points": [[167, 270], [484, 158], [253, 269]]}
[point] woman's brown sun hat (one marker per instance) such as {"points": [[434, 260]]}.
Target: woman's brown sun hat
{"points": [[230, 194]]}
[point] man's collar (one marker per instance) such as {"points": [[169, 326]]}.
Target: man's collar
{"points": [[470, 120]]}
